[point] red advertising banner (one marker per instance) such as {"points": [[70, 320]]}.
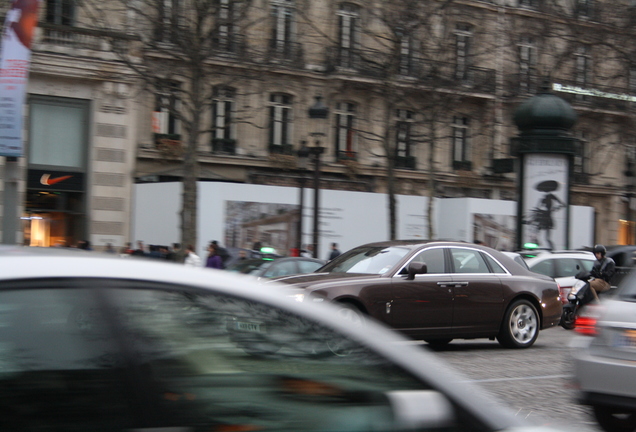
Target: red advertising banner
{"points": [[15, 58]]}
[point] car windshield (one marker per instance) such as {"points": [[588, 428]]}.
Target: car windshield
{"points": [[366, 259]]}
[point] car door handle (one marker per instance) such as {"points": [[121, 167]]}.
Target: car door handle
{"points": [[460, 284], [443, 284]]}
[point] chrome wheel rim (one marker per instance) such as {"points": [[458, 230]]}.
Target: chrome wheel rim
{"points": [[353, 317], [523, 324]]}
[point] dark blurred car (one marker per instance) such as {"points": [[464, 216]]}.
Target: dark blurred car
{"points": [[269, 268], [95, 343], [263, 253], [438, 291]]}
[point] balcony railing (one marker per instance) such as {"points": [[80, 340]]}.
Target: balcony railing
{"points": [[405, 162], [225, 146], [230, 44], [432, 73], [83, 38], [462, 165], [285, 52], [342, 155], [522, 84], [284, 149]]}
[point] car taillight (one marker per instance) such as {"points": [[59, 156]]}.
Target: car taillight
{"points": [[587, 320], [585, 326]]}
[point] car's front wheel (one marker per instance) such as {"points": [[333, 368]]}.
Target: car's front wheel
{"points": [[520, 327], [615, 419]]}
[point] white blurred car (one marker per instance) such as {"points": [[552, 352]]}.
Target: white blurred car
{"points": [[96, 343], [562, 266], [605, 363]]}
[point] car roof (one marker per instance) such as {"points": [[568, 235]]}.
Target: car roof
{"points": [[30, 263]]}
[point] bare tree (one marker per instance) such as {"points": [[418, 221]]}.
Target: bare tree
{"points": [[170, 47]]}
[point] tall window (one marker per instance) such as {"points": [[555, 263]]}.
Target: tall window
{"points": [[403, 156], [226, 27], [630, 158], [223, 129], [406, 56], [527, 64], [167, 20], [165, 118], [346, 138], [348, 34], [282, 27], [583, 8], [582, 68], [461, 144], [61, 12], [463, 35], [280, 123], [581, 158]]}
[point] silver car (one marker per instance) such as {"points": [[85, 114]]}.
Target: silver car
{"points": [[605, 364], [106, 344]]}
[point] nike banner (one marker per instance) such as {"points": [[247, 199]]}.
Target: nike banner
{"points": [[17, 37]]}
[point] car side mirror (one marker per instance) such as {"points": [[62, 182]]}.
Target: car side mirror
{"points": [[577, 267], [416, 268], [419, 410]]}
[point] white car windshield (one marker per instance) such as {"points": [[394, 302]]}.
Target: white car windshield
{"points": [[367, 260]]}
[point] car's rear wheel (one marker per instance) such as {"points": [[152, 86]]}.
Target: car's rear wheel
{"points": [[615, 419], [520, 327]]}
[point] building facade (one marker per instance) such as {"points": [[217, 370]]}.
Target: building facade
{"points": [[421, 97]]}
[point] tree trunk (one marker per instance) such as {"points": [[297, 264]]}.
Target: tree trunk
{"points": [[189, 210], [431, 182], [390, 172]]}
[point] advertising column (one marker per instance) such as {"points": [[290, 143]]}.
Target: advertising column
{"points": [[545, 200], [17, 36]]}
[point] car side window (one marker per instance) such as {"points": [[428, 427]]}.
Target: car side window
{"points": [[494, 265], [587, 264], [434, 259], [468, 261], [566, 267], [221, 360], [308, 266], [60, 364], [545, 267]]}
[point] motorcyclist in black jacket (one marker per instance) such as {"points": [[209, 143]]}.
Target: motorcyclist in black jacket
{"points": [[602, 271]]}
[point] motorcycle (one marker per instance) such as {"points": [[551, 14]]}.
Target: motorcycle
{"points": [[580, 295]]}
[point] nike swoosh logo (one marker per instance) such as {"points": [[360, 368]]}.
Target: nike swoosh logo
{"points": [[47, 181]]}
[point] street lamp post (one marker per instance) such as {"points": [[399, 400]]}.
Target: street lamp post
{"points": [[318, 112]]}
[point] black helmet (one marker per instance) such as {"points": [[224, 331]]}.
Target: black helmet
{"points": [[599, 248]]}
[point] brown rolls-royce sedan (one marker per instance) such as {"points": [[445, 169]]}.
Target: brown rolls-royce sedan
{"points": [[437, 291]]}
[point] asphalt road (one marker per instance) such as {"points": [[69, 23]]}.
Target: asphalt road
{"points": [[534, 382]]}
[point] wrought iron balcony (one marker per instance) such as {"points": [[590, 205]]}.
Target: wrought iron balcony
{"points": [[342, 155], [83, 38], [462, 165], [522, 84], [284, 149], [230, 45], [226, 146], [285, 52], [432, 73], [405, 162]]}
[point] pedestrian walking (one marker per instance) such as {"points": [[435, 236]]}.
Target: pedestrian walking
{"points": [[334, 251], [222, 252], [192, 259], [214, 259]]}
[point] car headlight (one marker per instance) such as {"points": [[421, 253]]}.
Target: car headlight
{"points": [[300, 297]]}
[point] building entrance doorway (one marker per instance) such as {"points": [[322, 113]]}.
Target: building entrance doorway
{"points": [[53, 218]]}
